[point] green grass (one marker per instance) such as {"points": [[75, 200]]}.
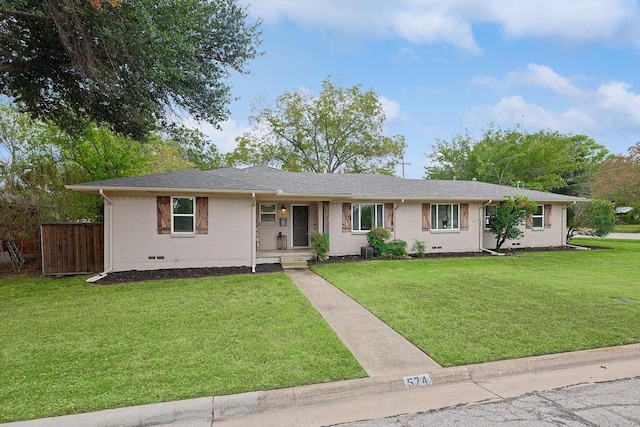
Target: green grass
{"points": [[67, 346], [627, 228], [479, 309]]}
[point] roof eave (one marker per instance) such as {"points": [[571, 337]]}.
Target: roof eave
{"points": [[96, 190]]}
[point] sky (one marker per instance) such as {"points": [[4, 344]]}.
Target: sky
{"points": [[446, 67]]}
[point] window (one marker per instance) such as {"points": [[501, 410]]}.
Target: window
{"points": [[445, 217], [268, 213], [489, 211], [538, 217], [367, 216], [183, 214]]}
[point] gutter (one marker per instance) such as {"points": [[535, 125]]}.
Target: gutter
{"points": [[395, 219], [108, 238], [482, 230]]}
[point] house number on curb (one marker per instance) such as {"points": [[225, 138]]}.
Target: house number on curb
{"points": [[417, 381]]}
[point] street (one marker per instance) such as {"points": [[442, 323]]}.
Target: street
{"points": [[613, 403]]}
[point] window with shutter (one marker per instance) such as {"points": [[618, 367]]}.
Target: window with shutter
{"points": [[537, 219], [365, 216], [445, 217], [182, 215]]}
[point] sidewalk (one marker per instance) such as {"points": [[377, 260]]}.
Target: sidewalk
{"points": [[380, 350], [388, 358]]}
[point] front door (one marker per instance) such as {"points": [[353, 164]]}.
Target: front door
{"points": [[300, 225]]}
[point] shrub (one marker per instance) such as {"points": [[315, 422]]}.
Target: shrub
{"points": [[419, 247], [395, 249], [377, 239], [320, 244]]}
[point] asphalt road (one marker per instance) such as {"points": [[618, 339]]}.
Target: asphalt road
{"points": [[614, 403]]}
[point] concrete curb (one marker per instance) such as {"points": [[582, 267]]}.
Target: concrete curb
{"points": [[210, 409]]}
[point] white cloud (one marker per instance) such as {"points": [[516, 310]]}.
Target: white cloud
{"points": [[392, 110], [619, 103], [610, 107], [451, 21], [513, 109], [431, 27], [570, 20], [545, 78]]}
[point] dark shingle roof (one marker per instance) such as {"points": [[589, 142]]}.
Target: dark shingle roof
{"points": [[265, 179]]}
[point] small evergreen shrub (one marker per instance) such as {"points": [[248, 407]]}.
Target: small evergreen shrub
{"points": [[377, 239], [395, 249], [320, 244]]}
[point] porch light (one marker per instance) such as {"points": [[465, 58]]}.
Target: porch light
{"points": [[283, 210]]}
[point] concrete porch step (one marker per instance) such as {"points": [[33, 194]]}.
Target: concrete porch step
{"points": [[293, 262]]}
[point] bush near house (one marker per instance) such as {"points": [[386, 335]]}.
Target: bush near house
{"points": [[378, 238], [320, 244]]}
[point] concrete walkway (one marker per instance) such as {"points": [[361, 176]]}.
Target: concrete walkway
{"points": [[380, 350]]}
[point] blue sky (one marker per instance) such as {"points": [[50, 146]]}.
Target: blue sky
{"points": [[442, 67]]}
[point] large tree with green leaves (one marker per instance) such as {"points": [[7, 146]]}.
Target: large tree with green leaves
{"points": [[542, 160], [597, 217], [619, 178], [127, 63], [510, 214], [339, 130]]}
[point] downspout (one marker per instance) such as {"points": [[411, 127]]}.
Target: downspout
{"points": [[109, 239], [253, 233], [482, 231], [564, 230], [395, 219]]}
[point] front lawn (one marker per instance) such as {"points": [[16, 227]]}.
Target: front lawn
{"points": [[626, 228], [67, 346], [479, 309]]}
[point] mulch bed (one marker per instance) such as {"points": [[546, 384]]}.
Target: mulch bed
{"points": [[192, 273], [182, 273]]}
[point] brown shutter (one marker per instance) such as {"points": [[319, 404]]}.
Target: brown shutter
{"points": [[426, 217], [464, 216], [325, 217], [529, 223], [164, 214], [388, 216], [346, 217], [547, 216], [202, 215]]}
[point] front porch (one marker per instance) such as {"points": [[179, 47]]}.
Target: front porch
{"points": [[288, 258]]}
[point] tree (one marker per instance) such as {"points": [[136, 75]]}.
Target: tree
{"points": [[196, 148], [619, 178], [125, 63], [101, 153], [340, 130], [510, 214], [543, 160], [163, 155], [597, 216]]}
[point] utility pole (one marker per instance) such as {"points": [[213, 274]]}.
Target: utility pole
{"points": [[404, 163]]}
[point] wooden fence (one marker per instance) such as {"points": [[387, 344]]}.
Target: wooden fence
{"points": [[75, 248]]}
